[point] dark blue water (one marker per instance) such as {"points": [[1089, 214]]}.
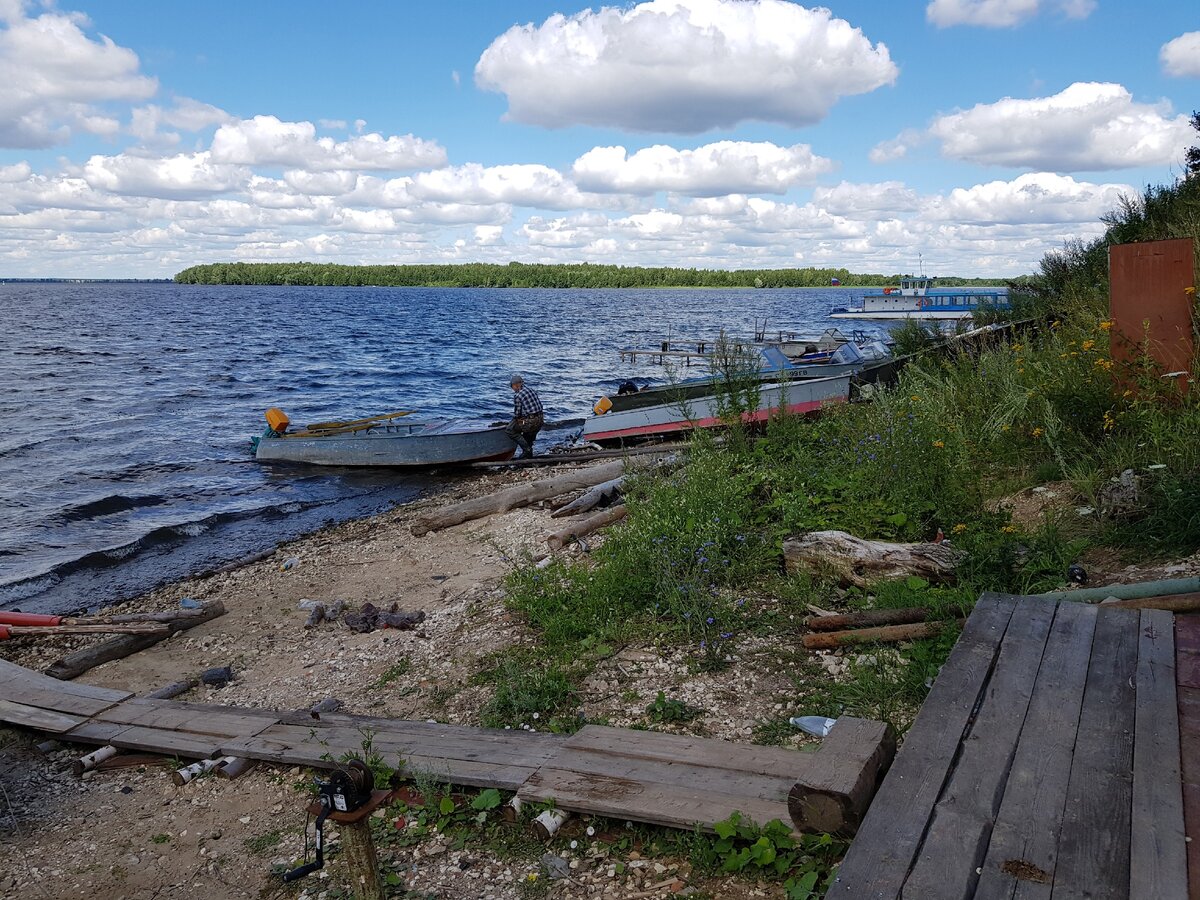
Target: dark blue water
{"points": [[127, 409]]}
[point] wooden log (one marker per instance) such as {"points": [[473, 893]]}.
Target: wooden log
{"points": [[591, 499], [43, 630], [93, 759], [559, 539], [1176, 603], [868, 618], [316, 616], [195, 770], [837, 788], [173, 690], [166, 617], [231, 767], [558, 459], [858, 562], [77, 663], [361, 862], [884, 634], [514, 497]]}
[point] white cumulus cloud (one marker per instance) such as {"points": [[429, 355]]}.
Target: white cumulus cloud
{"points": [[1181, 57], [53, 75], [183, 175], [1086, 127], [1000, 13], [725, 167], [683, 66], [521, 185], [268, 141], [1037, 197]]}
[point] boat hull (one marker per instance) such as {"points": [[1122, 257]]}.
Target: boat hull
{"points": [[391, 446], [802, 396], [893, 314]]}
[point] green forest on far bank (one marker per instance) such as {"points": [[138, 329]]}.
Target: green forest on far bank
{"points": [[531, 275]]}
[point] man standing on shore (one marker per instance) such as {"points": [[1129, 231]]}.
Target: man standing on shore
{"points": [[527, 416]]}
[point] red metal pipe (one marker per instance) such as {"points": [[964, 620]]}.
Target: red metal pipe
{"points": [[20, 618]]}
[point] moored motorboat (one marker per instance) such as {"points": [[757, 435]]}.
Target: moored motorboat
{"points": [[917, 298], [382, 442], [681, 413]]}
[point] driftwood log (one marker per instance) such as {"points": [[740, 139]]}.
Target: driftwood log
{"points": [[75, 664], [515, 497], [590, 500], [842, 777], [1177, 603], [868, 618], [559, 539], [858, 562], [885, 634], [144, 628]]}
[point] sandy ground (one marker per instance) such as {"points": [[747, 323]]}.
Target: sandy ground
{"points": [[132, 833]]}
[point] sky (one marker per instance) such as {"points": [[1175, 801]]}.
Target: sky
{"points": [[971, 136]]}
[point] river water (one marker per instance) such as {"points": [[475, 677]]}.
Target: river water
{"points": [[128, 408]]}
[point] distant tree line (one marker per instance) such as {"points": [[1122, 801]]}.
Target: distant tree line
{"points": [[529, 275]]}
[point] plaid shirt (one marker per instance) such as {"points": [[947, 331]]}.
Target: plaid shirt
{"points": [[526, 403]]}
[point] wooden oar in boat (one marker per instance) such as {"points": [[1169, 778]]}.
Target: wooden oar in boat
{"points": [[330, 428], [326, 426]]}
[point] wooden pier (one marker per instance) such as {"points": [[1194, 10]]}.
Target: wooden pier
{"points": [[1046, 762], [663, 779]]}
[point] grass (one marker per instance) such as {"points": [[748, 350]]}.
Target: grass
{"points": [[399, 670], [260, 844]]}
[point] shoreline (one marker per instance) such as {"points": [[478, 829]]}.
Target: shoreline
{"points": [[455, 576]]}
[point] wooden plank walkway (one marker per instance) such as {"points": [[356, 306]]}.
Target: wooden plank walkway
{"points": [[1045, 763], [646, 776]]}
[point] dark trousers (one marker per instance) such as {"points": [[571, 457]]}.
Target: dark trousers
{"points": [[524, 431]]}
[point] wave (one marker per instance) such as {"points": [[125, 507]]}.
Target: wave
{"points": [[107, 506]]}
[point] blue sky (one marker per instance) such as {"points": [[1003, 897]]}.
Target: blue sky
{"points": [[137, 138]]}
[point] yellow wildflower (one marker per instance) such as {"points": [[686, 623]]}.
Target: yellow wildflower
{"points": [[531, 877], [1038, 432], [1055, 323], [1087, 345], [959, 528], [1016, 348], [1105, 364], [939, 444], [1005, 427], [1189, 291], [1110, 421], [914, 398], [1009, 529], [1127, 394], [1106, 325]]}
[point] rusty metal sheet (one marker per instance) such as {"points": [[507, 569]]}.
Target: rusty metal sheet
{"points": [[1151, 306]]}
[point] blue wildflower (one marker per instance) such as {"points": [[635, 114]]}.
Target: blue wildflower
{"points": [[709, 620]]}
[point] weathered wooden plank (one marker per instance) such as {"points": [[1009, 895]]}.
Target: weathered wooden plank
{"points": [[1021, 855], [94, 732], [469, 773], [36, 717], [881, 854], [657, 804], [694, 751], [154, 740], [167, 716], [1158, 852], [11, 674], [1187, 668], [1093, 844], [460, 745], [947, 862], [832, 793], [1187, 639], [667, 774], [36, 694]]}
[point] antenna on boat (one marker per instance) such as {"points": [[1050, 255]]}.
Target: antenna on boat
{"points": [[921, 263]]}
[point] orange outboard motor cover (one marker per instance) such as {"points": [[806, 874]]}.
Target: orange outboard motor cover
{"points": [[278, 419]]}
